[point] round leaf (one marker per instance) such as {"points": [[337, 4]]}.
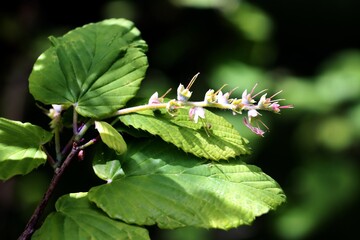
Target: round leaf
{"points": [[20, 147], [76, 218], [96, 68], [164, 186]]}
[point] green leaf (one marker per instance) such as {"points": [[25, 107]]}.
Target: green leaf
{"points": [[213, 139], [96, 68], [167, 187], [77, 218], [111, 137], [106, 164], [20, 147]]}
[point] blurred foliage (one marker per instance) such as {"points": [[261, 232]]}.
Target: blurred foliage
{"points": [[310, 50]]}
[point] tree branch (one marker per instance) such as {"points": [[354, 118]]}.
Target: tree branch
{"points": [[31, 225]]}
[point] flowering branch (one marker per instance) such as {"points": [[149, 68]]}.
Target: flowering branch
{"points": [[218, 100]]}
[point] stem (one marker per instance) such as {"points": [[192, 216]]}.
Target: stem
{"points": [[210, 105], [31, 225], [83, 130], [67, 147], [75, 124], [164, 105], [89, 143], [57, 143], [140, 108], [64, 152]]}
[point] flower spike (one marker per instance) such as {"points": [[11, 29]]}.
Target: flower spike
{"points": [[218, 99]]}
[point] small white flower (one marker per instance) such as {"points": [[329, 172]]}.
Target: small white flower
{"points": [[223, 98], [253, 114], [196, 112], [183, 94], [210, 96], [57, 108], [154, 99]]}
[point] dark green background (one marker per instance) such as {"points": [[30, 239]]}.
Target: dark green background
{"points": [[311, 150]]}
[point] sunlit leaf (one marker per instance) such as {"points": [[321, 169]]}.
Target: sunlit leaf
{"points": [[20, 147], [167, 187], [111, 137], [106, 164], [76, 218], [96, 68], [214, 138]]}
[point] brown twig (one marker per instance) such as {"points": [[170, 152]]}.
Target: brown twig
{"points": [[31, 225]]}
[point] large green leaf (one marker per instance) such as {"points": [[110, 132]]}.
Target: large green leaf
{"points": [[77, 219], [96, 68], [214, 139], [20, 147], [106, 163], [163, 185]]}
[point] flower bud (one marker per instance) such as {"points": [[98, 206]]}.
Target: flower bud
{"points": [[172, 107]]}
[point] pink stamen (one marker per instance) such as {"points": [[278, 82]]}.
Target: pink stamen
{"points": [[256, 130]]}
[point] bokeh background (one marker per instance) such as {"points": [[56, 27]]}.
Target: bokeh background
{"points": [[308, 49]]}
